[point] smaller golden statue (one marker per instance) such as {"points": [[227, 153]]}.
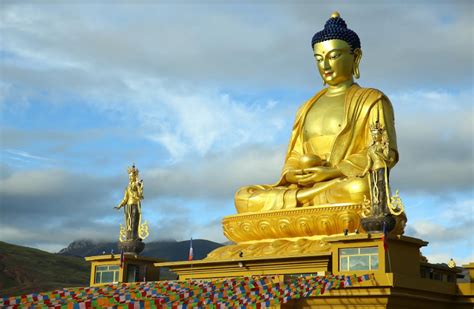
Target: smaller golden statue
{"points": [[383, 204], [451, 263], [134, 231]]}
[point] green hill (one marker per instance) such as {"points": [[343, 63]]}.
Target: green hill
{"points": [[26, 270]]}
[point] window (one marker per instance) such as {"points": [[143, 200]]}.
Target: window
{"points": [[366, 258], [107, 273]]}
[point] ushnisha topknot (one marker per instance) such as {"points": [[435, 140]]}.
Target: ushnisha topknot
{"points": [[336, 28]]}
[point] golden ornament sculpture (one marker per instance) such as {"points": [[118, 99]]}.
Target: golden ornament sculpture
{"points": [[123, 233], [326, 180], [143, 231]]}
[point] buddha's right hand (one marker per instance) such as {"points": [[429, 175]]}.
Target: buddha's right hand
{"points": [[293, 176]]}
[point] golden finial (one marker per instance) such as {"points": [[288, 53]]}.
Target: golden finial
{"points": [[335, 14]]}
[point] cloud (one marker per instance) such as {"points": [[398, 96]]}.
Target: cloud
{"points": [[180, 43], [439, 233], [55, 237], [25, 155], [448, 226], [446, 240], [186, 120], [217, 175], [50, 196], [435, 140], [15, 139]]}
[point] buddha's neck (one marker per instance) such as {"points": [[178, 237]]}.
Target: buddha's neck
{"points": [[339, 88]]}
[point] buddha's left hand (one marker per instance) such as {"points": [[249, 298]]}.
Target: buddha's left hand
{"points": [[318, 174]]}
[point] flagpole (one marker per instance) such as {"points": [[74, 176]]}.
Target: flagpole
{"points": [[122, 266], [385, 246], [191, 256], [389, 261]]}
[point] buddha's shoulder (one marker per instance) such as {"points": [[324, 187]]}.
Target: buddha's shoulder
{"points": [[369, 97], [368, 93]]}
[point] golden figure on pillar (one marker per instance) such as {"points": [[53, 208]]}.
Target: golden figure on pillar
{"points": [[341, 138], [134, 231]]}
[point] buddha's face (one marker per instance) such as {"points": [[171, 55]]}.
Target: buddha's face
{"points": [[335, 61]]}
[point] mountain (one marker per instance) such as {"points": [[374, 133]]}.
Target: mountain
{"points": [[26, 270], [170, 250]]}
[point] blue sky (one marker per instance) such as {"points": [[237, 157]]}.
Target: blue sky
{"points": [[201, 97]]}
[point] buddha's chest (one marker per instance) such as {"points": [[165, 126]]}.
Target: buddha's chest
{"points": [[325, 117]]}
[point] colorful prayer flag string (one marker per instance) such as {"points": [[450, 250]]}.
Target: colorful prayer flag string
{"points": [[240, 292]]}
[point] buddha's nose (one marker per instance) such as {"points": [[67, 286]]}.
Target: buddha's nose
{"points": [[326, 65]]}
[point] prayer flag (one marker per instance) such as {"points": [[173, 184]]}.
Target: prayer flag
{"points": [[240, 292]]}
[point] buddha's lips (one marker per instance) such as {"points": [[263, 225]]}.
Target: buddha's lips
{"points": [[328, 73]]}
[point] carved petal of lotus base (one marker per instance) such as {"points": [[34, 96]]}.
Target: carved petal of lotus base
{"points": [[324, 220]]}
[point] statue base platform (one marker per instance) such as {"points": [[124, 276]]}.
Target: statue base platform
{"points": [[400, 278], [131, 246]]}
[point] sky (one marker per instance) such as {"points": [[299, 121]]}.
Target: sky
{"points": [[201, 96]]}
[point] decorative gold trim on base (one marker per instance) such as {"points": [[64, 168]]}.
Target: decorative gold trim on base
{"points": [[270, 248]]}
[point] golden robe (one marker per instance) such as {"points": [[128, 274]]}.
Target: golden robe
{"points": [[363, 107]]}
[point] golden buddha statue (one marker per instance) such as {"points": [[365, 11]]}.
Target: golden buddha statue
{"points": [[335, 176], [327, 154]]}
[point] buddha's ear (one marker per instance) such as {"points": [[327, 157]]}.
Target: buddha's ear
{"points": [[357, 57]]}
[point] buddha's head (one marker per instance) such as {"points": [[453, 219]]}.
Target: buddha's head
{"points": [[337, 51]]}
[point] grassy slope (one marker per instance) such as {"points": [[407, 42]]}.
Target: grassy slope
{"points": [[26, 270]]}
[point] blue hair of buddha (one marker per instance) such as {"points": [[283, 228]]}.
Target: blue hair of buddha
{"points": [[336, 28]]}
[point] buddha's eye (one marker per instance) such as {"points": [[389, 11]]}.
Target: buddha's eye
{"points": [[319, 59], [334, 56]]}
